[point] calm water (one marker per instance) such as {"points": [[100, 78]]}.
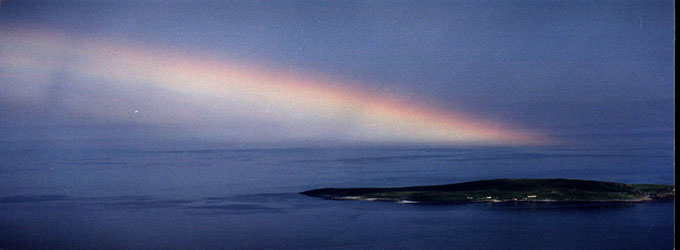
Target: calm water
{"points": [[67, 198]]}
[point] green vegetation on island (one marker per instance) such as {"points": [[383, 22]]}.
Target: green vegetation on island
{"points": [[506, 190]]}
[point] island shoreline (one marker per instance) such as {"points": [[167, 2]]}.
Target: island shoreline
{"points": [[500, 190]]}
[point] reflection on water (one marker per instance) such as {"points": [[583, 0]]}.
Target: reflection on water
{"points": [[293, 221]]}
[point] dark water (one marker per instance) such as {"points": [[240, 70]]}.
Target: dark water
{"points": [[247, 199]]}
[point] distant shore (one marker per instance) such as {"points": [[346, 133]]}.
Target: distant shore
{"points": [[506, 190]]}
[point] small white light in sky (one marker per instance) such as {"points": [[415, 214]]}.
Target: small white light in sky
{"points": [[136, 111]]}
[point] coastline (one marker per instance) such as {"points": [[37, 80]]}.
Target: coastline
{"points": [[400, 201], [506, 191]]}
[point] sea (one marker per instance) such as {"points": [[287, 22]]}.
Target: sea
{"points": [[224, 197]]}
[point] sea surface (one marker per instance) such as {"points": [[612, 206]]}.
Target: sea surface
{"points": [[247, 198]]}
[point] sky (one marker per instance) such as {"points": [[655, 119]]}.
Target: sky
{"points": [[405, 72]]}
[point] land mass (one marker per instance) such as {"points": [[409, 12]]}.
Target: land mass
{"points": [[506, 190]]}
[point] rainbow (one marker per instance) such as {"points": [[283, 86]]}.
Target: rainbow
{"points": [[242, 90]]}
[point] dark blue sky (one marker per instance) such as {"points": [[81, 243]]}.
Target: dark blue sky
{"points": [[572, 69]]}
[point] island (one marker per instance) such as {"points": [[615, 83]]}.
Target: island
{"points": [[506, 190]]}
